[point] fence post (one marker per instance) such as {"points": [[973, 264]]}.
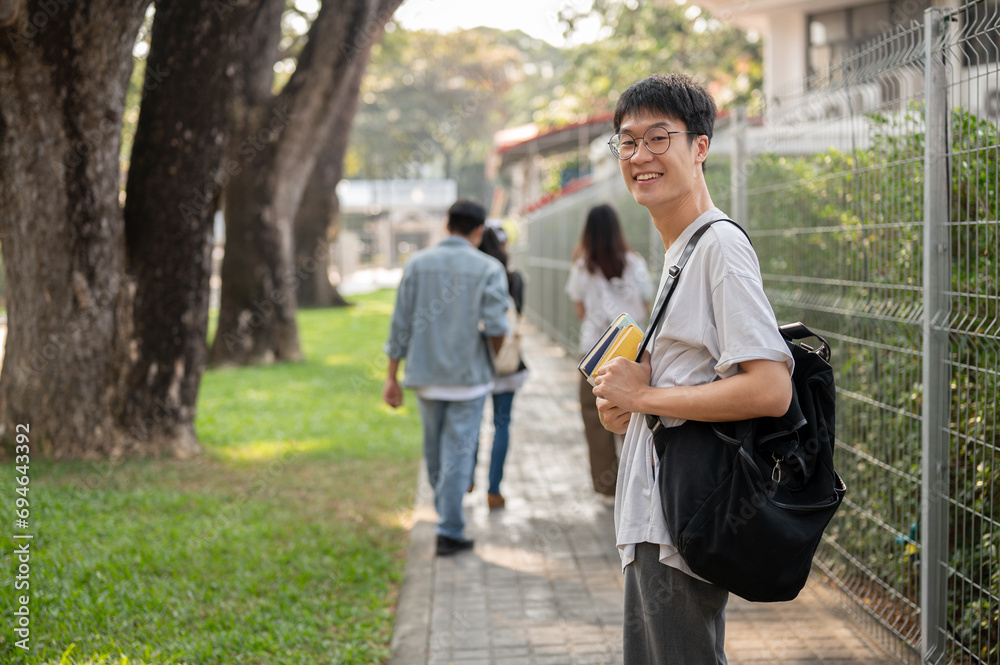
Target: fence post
{"points": [[936, 395], [738, 175]]}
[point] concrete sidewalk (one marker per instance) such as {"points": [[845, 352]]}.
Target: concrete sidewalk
{"points": [[543, 585]]}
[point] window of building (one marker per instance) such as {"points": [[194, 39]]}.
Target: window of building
{"points": [[833, 35]]}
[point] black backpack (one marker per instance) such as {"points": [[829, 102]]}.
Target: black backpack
{"points": [[746, 503]]}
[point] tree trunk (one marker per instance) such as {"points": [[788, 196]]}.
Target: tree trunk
{"points": [[176, 173], [63, 79], [259, 278], [253, 265], [318, 218], [315, 225], [257, 307]]}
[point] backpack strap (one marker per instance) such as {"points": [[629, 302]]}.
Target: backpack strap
{"points": [[668, 287], [653, 422]]}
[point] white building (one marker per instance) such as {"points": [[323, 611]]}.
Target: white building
{"points": [[805, 38], [384, 221]]}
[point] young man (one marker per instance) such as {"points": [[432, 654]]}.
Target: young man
{"points": [[717, 356], [446, 293]]}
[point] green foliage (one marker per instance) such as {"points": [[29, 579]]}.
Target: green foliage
{"points": [[296, 21], [283, 544], [642, 38], [431, 102], [559, 170]]}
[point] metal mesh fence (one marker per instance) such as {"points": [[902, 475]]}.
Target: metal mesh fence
{"points": [[836, 207], [873, 197], [969, 630], [887, 241]]}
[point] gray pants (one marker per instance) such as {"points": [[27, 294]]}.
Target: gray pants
{"points": [[670, 617]]}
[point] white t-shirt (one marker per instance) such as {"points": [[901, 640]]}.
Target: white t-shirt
{"points": [[453, 393], [604, 299], [717, 317]]}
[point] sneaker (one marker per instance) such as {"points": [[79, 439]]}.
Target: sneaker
{"points": [[446, 545], [495, 501]]}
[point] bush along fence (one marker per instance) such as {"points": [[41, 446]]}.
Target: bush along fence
{"points": [[872, 193]]}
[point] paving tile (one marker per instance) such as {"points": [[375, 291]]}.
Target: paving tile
{"points": [[439, 659], [522, 650], [544, 585]]}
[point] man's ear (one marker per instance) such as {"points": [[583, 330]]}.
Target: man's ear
{"points": [[701, 148]]}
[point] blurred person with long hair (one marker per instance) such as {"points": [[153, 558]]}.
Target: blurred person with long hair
{"points": [[606, 279], [494, 243]]}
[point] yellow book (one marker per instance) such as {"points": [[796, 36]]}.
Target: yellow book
{"points": [[622, 338]]}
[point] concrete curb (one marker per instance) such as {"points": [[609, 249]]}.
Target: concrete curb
{"points": [[416, 595]]}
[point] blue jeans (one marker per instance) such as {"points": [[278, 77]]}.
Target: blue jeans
{"points": [[502, 404], [451, 434]]}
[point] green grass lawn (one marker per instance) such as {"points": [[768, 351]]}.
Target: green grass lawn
{"points": [[283, 543]]}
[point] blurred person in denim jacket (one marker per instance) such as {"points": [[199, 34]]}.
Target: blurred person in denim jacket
{"points": [[451, 304]]}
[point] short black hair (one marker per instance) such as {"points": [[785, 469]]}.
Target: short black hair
{"points": [[677, 96], [465, 216]]}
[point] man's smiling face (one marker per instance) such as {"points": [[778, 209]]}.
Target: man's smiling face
{"points": [[664, 180]]}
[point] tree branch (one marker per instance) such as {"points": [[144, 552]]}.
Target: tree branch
{"points": [[341, 33]]}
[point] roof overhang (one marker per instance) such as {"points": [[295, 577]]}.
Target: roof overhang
{"points": [[756, 13], [519, 143]]}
